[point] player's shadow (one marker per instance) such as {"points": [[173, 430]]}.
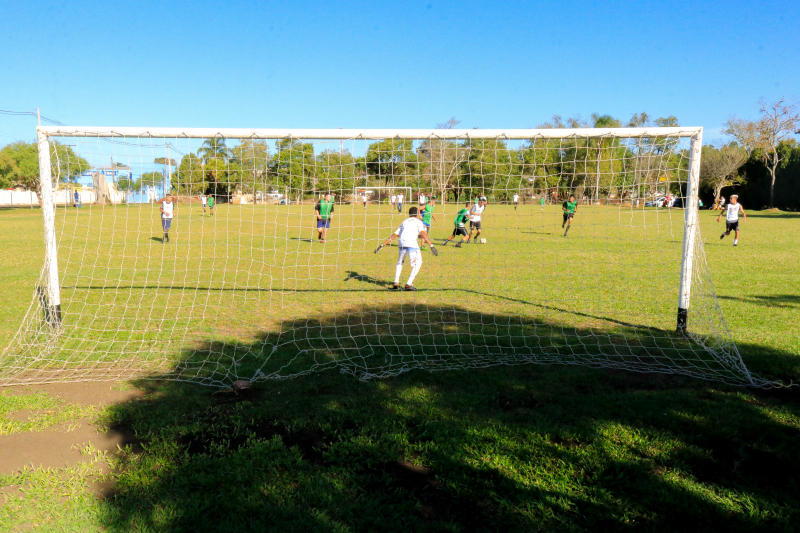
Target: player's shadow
{"points": [[510, 448], [363, 277], [301, 239], [157, 239]]}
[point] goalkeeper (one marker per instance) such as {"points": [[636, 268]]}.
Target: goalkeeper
{"points": [[460, 223], [409, 231]]}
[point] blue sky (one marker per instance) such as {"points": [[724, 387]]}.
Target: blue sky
{"points": [[403, 64]]}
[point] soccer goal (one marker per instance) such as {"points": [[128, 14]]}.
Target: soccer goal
{"points": [[594, 277]]}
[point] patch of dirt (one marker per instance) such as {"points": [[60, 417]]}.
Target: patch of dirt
{"points": [[24, 415], [58, 446], [55, 447]]}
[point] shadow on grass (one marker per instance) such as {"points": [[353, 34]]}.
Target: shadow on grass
{"points": [[510, 448], [157, 239], [777, 300]]}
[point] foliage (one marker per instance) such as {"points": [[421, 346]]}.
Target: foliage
{"points": [[19, 165], [391, 159], [214, 148], [720, 167], [294, 166]]}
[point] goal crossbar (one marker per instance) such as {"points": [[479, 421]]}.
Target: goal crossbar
{"points": [[325, 134]]}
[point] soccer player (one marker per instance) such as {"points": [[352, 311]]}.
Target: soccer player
{"points": [[204, 201], [541, 202], [210, 203], [324, 213], [400, 199], [569, 207], [516, 201], [364, 199], [460, 225], [394, 200], [732, 218], [167, 213], [423, 200], [475, 213], [409, 231], [427, 214]]}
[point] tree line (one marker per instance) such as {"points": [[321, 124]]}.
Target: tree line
{"points": [[762, 162]]}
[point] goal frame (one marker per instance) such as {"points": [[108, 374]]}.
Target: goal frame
{"points": [[695, 134]]}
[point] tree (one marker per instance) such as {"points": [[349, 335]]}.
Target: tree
{"points": [[391, 159], [778, 122], [189, 176], [440, 160], [65, 164], [214, 148], [253, 157], [337, 171], [293, 165], [9, 171], [720, 167]]}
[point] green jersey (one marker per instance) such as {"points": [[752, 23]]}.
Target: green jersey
{"points": [[461, 218], [210, 201], [541, 200], [427, 214], [569, 207], [325, 209]]}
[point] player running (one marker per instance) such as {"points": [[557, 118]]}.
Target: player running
{"points": [[732, 218], [516, 201], [569, 207], [408, 232], [324, 213], [475, 213], [167, 214], [460, 226]]}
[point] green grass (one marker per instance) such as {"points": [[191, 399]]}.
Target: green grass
{"points": [[525, 448]]}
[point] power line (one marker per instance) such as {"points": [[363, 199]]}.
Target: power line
{"points": [[52, 121]]}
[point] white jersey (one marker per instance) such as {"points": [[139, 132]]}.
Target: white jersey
{"points": [[364, 199], [422, 199], [409, 231], [394, 199], [204, 200], [516, 198], [399, 198], [475, 212], [733, 212], [168, 208]]}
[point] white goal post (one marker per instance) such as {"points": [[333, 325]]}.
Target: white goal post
{"points": [[253, 298]]}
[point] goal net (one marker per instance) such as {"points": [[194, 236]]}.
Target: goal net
{"points": [[578, 267]]}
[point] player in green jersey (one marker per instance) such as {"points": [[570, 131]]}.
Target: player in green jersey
{"points": [[211, 204], [569, 207], [541, 202], [324, 213], [427, 214], [460, 223]]}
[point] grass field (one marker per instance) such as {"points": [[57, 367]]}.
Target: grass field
{"points": [[531, 447]]}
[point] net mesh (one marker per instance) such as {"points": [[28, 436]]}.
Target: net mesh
{"points": [[246, 290]]}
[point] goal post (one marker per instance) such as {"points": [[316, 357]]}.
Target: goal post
{"points": [[243, 294]]}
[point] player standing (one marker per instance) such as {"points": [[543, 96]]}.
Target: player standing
{"points": [[427, 214], [460, 225], [516, 201], [475, 213], [364, 199], [409, 231], [210, 203], [541, 202], [324, 213], [400, 199], [569, 207], [204, 201], [732, 218], [167, 213], [394, 200]]}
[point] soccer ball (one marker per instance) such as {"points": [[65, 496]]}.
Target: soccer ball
{"points": [[483, 241]]}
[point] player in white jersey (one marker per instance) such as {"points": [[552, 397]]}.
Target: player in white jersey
{"points": [[400, 199], [167, 214], [516, 201], [475, 220], [732, 218], [394, 200], [423, 200], [204, 201], [409, 231]]}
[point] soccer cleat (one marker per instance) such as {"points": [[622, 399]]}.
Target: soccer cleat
{"points": [[445, 243], [394, 287], [423, 247], [459, 244], [409, 288], [722, 236], [735, 244]]}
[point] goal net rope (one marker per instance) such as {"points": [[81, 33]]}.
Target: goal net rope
{"points": [[247, 290]]}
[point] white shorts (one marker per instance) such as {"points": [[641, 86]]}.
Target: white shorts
{"points": [[414, 256]]}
